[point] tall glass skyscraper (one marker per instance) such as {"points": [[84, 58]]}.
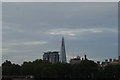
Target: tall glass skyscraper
{"points": [[63, 52]]}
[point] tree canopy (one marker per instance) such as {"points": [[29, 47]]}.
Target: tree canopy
{"points": [[44, 69]]}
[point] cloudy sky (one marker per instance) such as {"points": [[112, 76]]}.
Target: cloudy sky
{"points": [[0, 33], [59, 0], [89, 28]]}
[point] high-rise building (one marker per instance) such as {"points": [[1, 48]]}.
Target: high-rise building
{"points": [[52, 57], [63, 52]]}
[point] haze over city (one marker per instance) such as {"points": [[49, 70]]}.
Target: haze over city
{"points": [[29, 29]]}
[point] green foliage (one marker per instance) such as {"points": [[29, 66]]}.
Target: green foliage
{"points": [[44, 69], [112, 71], [10, 69], [85, 68], [27, 68]]}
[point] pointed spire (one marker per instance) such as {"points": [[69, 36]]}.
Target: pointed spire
{"points": [[63, 52]]}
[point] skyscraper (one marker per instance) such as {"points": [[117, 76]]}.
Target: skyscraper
{"points": [[63, 52]]}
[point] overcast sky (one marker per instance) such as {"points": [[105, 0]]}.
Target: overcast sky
{"points": [[60, 0], [29, 29], [0, 33]]}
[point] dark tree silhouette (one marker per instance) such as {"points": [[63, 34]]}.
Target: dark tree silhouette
{"points": [[87, 69]]}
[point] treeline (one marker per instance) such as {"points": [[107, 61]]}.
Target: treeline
{"points": [[44, 69]]}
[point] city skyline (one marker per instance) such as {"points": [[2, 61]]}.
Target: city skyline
{"points": [[29, 29]]}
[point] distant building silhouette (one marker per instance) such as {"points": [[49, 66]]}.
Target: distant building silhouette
{"points": [[63, 52], [76, 60], [52, 57], [86, 57], [110, 61]]}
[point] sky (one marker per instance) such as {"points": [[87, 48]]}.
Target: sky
{"points": [[29, 29], [59, 0], [0, 34]]}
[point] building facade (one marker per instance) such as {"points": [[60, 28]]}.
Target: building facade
{"points": [[52, 57]]}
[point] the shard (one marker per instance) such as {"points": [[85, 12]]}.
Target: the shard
{"points": [[63, 52]]}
